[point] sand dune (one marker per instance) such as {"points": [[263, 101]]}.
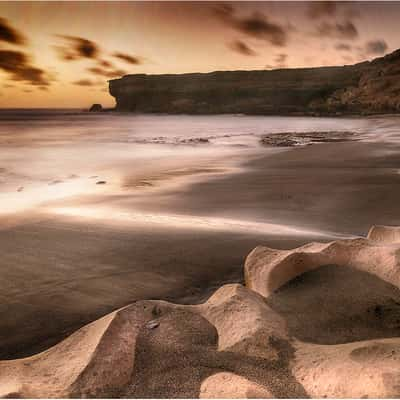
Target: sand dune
{"points": [[321, 320]]}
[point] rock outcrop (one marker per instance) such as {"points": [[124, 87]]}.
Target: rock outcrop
{"points": [[292, 139], [368, 87], [322, 320], [96, 108]]}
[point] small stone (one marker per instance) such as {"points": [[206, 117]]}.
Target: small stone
{"points": [[101, 182], [152, 324]]}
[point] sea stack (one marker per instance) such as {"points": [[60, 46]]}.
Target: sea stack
{"points": [[96, 107]]}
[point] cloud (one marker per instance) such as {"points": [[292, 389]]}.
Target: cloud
{"points": [[114, 73], [376, 47], [11, 60], [105, 64], [280, 60], [256, 25], [77, 48], [343, 47], [35, 76], [127, 58], [17, 64], [348, 59], [9, 34], [242, 48], [84, 82], [342, 30], [318, 9]]}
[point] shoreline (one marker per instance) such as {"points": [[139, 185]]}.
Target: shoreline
{"points": [[294, 115], [71, 271], [115, 111]]}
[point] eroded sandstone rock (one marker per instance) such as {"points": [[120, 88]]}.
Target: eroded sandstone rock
{"points": [[322, 320]]}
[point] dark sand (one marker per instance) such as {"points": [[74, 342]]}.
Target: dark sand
{"points": [[58, 275], [61, 272], [338, 187]]}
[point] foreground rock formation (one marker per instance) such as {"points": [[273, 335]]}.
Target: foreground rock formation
{"points": [[368, 87], [321, 320]]}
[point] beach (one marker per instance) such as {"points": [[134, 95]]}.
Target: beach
{"points": [[100, 211]]}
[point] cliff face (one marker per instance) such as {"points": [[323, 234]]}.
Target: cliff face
{"points": [[369, 87]]}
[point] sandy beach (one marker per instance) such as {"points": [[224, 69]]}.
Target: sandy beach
{"points": [[199, 199], [71, 260]]}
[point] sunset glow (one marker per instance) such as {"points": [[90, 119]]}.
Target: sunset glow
{"points": [[61, 54]]}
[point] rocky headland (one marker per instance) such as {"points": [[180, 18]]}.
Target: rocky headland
{"points": [[370, 87], [321, 320]]}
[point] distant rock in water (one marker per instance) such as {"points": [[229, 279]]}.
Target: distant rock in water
{"points": [[364, 88], [291, 139], [195, 141], [96, 108]]}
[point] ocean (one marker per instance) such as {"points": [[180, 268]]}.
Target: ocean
{"points": [[48, 155]]}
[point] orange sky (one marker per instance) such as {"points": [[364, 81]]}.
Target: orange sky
{"points": [[61, 54]]}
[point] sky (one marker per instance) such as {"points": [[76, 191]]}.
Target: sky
{"points": [[62, 54]]}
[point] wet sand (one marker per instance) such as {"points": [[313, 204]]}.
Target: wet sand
{"points": [[337, 187], [61, 271], [59, 274]]}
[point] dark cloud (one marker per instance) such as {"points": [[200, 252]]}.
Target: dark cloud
{"points": [[105, 73], [343, 47], [17, 64], [242, 48], [84, 82], [11, 60], [318, 9], [342, 30], [376, 47], [105, 64], [35, 76], [256, 25], [127, 58], [280, 60], [9, 34], [77, 48]]}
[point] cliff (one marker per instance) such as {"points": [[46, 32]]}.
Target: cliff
{"points": [[368, 87]]}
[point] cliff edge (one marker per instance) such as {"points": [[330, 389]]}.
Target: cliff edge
{"points": [[365, 88]]}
